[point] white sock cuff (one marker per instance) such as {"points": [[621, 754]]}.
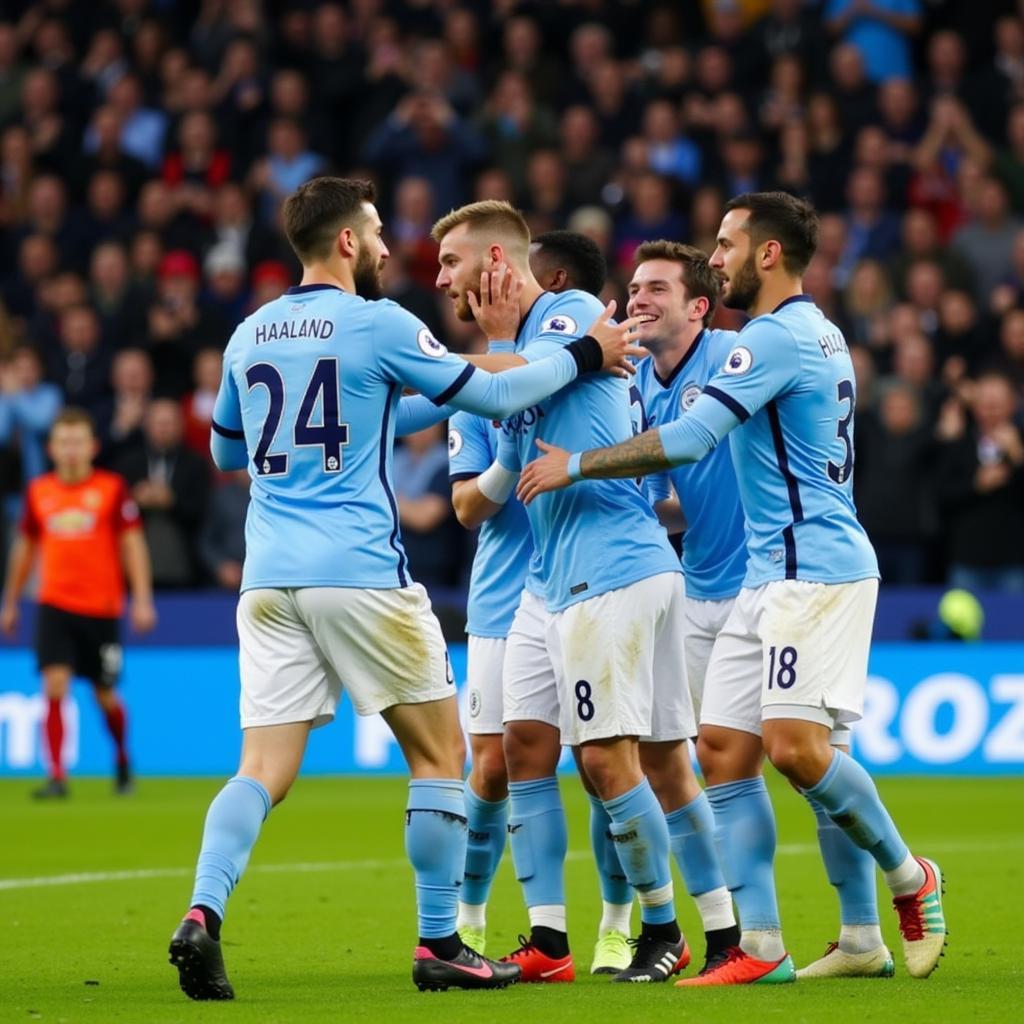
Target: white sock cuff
{"points": [[656, 897], [615, 917], [548, 916]]}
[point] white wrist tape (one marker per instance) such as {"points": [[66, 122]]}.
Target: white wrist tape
{"points": [[496, 483]]}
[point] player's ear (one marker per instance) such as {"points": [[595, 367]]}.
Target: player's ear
{"points": [[496, 254], [771, 255], [560, 281], [346, 242]]}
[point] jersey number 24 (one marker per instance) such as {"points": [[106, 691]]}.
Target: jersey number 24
{"points": [[330, 434]]}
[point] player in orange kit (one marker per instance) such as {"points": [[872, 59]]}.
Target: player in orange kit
{"points": [[85, 526]]}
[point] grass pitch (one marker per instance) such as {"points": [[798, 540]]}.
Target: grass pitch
{"points": [[322, 926]]}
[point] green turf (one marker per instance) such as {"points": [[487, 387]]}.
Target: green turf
{"points": [[322, 926]]}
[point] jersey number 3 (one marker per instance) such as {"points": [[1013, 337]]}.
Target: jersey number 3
{"points": [[837, 473], [330, 434]]}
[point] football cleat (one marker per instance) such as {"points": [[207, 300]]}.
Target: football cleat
{"points": [[123, 782], [539, 967], [198, 958], [467, 970], [474, 938], [52, 789], [922, 923], [612, 953], [655, 959], [836, 963], [734, 967]]}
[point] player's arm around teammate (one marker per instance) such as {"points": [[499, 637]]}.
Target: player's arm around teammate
{"points": [[813, 575]]}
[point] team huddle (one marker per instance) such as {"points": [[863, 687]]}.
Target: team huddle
{"points": [[578, 453]]}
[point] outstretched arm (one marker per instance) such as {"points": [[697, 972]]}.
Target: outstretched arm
{"points": [[684, 440]]}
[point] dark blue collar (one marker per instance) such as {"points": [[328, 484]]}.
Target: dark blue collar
{"points": [[792, 298], [690, 353], [302, 289]]}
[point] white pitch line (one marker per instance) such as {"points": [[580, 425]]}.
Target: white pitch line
{"points": [[313, 867]]}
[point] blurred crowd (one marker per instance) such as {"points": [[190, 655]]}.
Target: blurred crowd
{"points": [[146, 146]]}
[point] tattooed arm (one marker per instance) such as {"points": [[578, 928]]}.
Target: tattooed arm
{"points": [[685, 440]]}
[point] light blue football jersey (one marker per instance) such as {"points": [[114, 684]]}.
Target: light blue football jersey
{"points": [[504, 545], [789, 381], [714, 546], [311, 383], [601, 534]]}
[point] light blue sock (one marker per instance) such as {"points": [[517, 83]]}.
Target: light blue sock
{"points": [[615, 887], [852, 802], [849, 868], [232, 827], [435, 841], [691, 833], [745, 841], [539, 840], [486, 822], [641, 834]]}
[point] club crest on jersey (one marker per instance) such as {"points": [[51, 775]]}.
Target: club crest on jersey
{"points": [[454, 443], [559, 325], [691, 392], [739, 361], [429, 345]]}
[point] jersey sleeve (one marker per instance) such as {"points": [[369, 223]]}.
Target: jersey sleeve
{"points": [[227, 438], [417, 412], [659, 487], [568, 317], [508, 453], [762, 364], [691, 437], [31, 525], [409, 354], [125, 512], [469, 447]]}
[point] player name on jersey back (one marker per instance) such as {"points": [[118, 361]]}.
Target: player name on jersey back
{"points": [[292, 330]]}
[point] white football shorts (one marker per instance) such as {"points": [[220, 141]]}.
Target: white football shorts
{"points": [[486, 658], [702, 622], [621, 666], [299, 647], [528, 675], [792, 649]]}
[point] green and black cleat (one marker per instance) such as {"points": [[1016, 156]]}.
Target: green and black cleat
{"points": [[199, 961]]}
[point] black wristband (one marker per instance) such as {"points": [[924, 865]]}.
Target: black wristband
{"points": [[588, 354]]}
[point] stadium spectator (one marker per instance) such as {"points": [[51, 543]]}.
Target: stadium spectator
{"points": [[28, 406], [986, 243], [79, 364], [197, 405], [170, 484], [881, 30], [980, 479], [424, 137], [131, 380], [222, 540], [179, 322], [430, 532], [893, 483], [287, 165]]}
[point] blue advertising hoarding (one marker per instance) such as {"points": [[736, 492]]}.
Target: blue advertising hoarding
{"points": [[929, 709]]}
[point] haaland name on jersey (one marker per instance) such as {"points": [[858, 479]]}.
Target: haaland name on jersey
{"points": [[313, 327]]}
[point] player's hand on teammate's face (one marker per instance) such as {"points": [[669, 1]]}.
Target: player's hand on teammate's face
{"points": [[548, 473], [618, 341], [496, 311], [143, 616]]}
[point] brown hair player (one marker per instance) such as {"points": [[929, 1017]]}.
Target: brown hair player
{"points": [[84, 526]]}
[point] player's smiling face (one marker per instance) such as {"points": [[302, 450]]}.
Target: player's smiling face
{"points": [[461, 265], [657, 291], [734, 260]]}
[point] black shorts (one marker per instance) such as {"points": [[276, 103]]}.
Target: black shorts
{"points": [[90, 645]]}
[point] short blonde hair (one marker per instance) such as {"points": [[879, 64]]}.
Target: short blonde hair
{"points": [[493, 216]]}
